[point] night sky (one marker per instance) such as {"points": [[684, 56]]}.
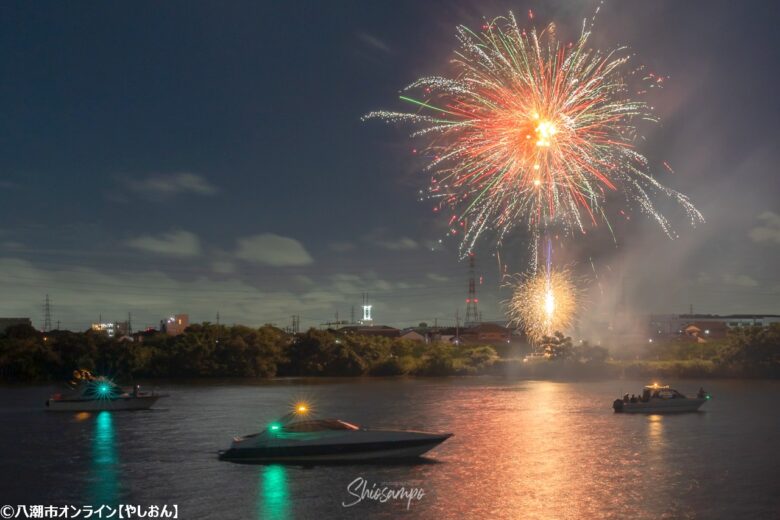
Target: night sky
{"points": [[166, 157]]}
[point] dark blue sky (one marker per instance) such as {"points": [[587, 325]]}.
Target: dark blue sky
{"points": [[160, 157]]}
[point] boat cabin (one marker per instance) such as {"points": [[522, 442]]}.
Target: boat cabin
{"points": [[656, 391], [319, 425]]}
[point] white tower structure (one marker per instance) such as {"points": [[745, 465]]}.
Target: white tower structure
{"points": [[366, 310]]}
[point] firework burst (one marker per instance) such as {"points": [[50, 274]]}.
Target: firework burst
{"points": [[530, 131], [543, 303]]}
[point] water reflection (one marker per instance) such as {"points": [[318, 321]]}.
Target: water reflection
{"points": [[105, 484], [273, 497], [656, 441]]}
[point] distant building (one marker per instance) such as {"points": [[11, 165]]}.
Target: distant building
{"points": [[675, 324], [486, 333], [108, 328], [12, 322], [114, 329], [701, 332], [176, 324], [413, 335], [140, 335]]}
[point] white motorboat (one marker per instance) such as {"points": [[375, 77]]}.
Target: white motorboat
{"points": [[89, 393], [328, 440], [660, 399]]}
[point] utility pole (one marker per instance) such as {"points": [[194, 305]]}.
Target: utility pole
{"points": [[47, 314], [217, 318], [129, 323], [457, 326]]}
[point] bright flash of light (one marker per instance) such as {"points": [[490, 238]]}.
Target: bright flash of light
{"points": [[301, 408], [549, 303], [543, 303], [529, 131]]}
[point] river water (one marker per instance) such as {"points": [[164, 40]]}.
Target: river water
{"points": [[522, 449]]}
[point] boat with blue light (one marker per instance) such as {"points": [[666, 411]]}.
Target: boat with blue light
{"points": [[657, 398], [88, 393], [293, 439]]}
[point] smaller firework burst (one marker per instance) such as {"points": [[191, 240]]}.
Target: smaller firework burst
{"points": [[543, 302]]}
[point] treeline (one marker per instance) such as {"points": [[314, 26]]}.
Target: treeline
{"points": [[208, 350], [745, 352]]}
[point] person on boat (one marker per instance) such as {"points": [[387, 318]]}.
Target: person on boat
{"points": [[136, 389], [702, 394], [625, 398], [633, 398]]}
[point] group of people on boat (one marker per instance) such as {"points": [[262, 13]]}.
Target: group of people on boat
{"points": [[659, 393]]}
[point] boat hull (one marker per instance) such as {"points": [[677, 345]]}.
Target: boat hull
{"points": [[387, 450], [93, 405], [655, 406]]}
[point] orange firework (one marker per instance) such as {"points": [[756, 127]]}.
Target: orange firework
{"points": [[531, 131], [543, 303]]}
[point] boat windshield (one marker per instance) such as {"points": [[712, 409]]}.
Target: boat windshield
{"points": [[320, 425]]}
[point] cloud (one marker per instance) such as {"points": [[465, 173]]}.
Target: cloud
{"points": [[273, 250], [341, 247], [80, 294], [374, 42], [12, 245], [168, 185], [437, 277], [223, 267], [175, 243], [741, 280], [769, 231], [400, 244]]}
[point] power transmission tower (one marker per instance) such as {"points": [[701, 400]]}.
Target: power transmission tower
{"points": [[129, 323], [472, 313], [296, 324], [47, 314]]}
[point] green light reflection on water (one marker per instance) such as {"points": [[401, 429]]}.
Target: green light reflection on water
{"points": [[104, 487], [273, 497]]}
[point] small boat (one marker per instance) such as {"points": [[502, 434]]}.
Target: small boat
{"points": [[660, 399], [88, 393], [328, 440]]}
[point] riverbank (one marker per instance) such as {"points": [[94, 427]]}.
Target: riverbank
{"points": [[217, 351]]}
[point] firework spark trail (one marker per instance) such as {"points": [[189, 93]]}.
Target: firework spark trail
{"points": [[530, 131]]}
